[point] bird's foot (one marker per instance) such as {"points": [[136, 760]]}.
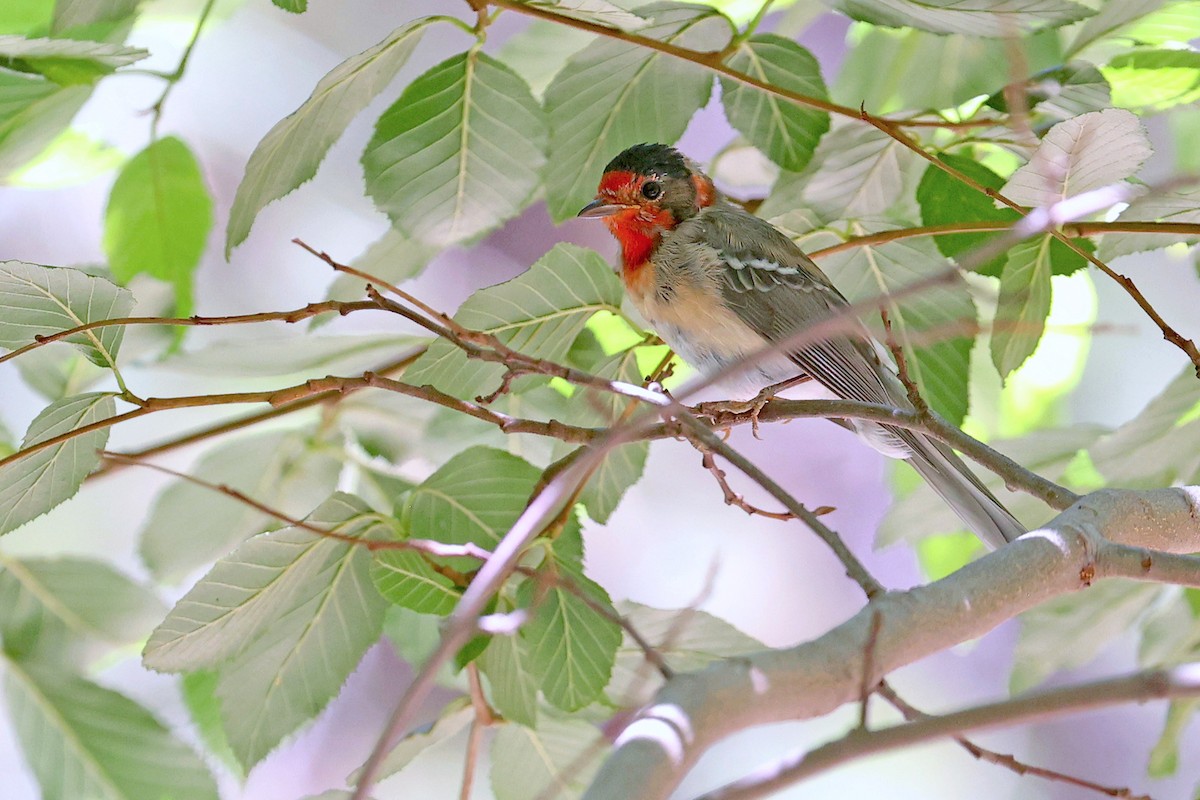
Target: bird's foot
{"points": [[721, 410]]}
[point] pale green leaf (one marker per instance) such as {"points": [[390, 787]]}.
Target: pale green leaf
{"points": [[555, 761], [454, 718], [687, 639], [513, 685], [1156, 207], [405, 578], [72, 159], [613, 94], [40, 301], [312, 356], [540, 50], [1069, 631], [459, 152], [1164, 758], [190, 525], [199, 691], [33, 112], [114, 16], [1068, 91], [290, 153], [1081, 154], [269, 579], [1024, 304], [34, 484], [1154, 80], [927, 324], [474, 498], [292, 6], [57, 371], [785, 131], [85, 741], [572, 647], [539, 313], [158, 218], [25, 16], [68, 61], [996, 18], [601, 12], [857, 171], [1128, 23]]}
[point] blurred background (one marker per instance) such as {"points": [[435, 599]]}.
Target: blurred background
{"points": [[673, 541]]}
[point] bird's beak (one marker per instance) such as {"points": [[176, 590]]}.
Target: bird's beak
{"points": [[599, 208]]}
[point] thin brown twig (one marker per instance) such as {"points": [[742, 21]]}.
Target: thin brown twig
{"points": [[484, 717], [732, 498], [868, 667], [910, 386]]}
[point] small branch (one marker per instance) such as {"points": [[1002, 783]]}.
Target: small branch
{"points": [[868, 669], [910, 386], [483, 718], [174, 77]]}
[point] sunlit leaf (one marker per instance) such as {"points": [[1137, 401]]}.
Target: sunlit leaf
{"points": [[459, 152], [1154, 79], [290, 153], [1119, 26], [26, 16], [34, 484], [1155, 207], [785, 131], [67, 61], [1164, 758], [84, 741], [199, 691], [857, 171], [996, 18], [1024, 304], [40, 301], [103, 20], [158, 218], [613, 94], [601, 12]]}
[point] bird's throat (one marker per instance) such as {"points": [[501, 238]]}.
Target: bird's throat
{"points": [[639, 232]]}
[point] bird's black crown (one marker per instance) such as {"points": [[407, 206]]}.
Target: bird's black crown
{"points": [[650, 159]]}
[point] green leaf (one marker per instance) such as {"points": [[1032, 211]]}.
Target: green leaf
{"points": [[312, 356], [459, 152], [785, 131], [34, 484], [25, 17], [290, 153], [405, 578], [292, 6], [57, 371], [687, 639], [511, 680], [613, 94], [1068, 91], [265, 584], [190, 525], [1024, 304], [996, 18], [540, 50], [200, 696], [40, 301], [1133, 22], [33, 112], [394, 257], [115, 17], [158, 218], [1081, 154], [88, 599], [925, 324], [1155, 207], [572, 647], [67, 61], [1164, 758], [1161, 445], [475, 498], [555, 761], [945, 200], [944, 554], [1154, 80], [454, 718], [1069, 631], [540, 313], [857, 171], [72, 159], [601, 12], [84, 741]]}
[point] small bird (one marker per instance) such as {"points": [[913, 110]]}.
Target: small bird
{"points": [[718, 283]]}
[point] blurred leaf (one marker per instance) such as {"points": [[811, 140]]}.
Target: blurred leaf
{"points": [[292, 6], [67, 61], [1161, 445], [475, 498], [613, 94], [40, 301], [1184, 125], [200, 696], [540, 50], [514, 686], [600, 12], [270, 582], [928, 324], [947, 553], [572, 647], [394, 257], [1024, 304], [1164, 758], [84, 741], [58, 370], [1133, 22], [158, 218], [687, 639], [191, 525], [316, 356], [540, 313], [457, 714], [857, 171], [34, 484], [459, 152], [945, 200], [1081, 154], [1154, 80], [73, 158], [554, 761], [26, 17], [112, 17], [33, 112], [784, 131], [89, 599], [996, 18], [406, 579], [1156, 207], [290, 153], [1070, 630], [1070, 90]]}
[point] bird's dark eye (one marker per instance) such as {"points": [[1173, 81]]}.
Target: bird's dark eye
{"points": [[651, 190]]}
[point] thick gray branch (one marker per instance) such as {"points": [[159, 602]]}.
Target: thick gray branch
{"points": [[1110, 533]]}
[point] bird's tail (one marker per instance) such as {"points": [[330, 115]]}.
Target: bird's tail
{"points": [[962, 491]]}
